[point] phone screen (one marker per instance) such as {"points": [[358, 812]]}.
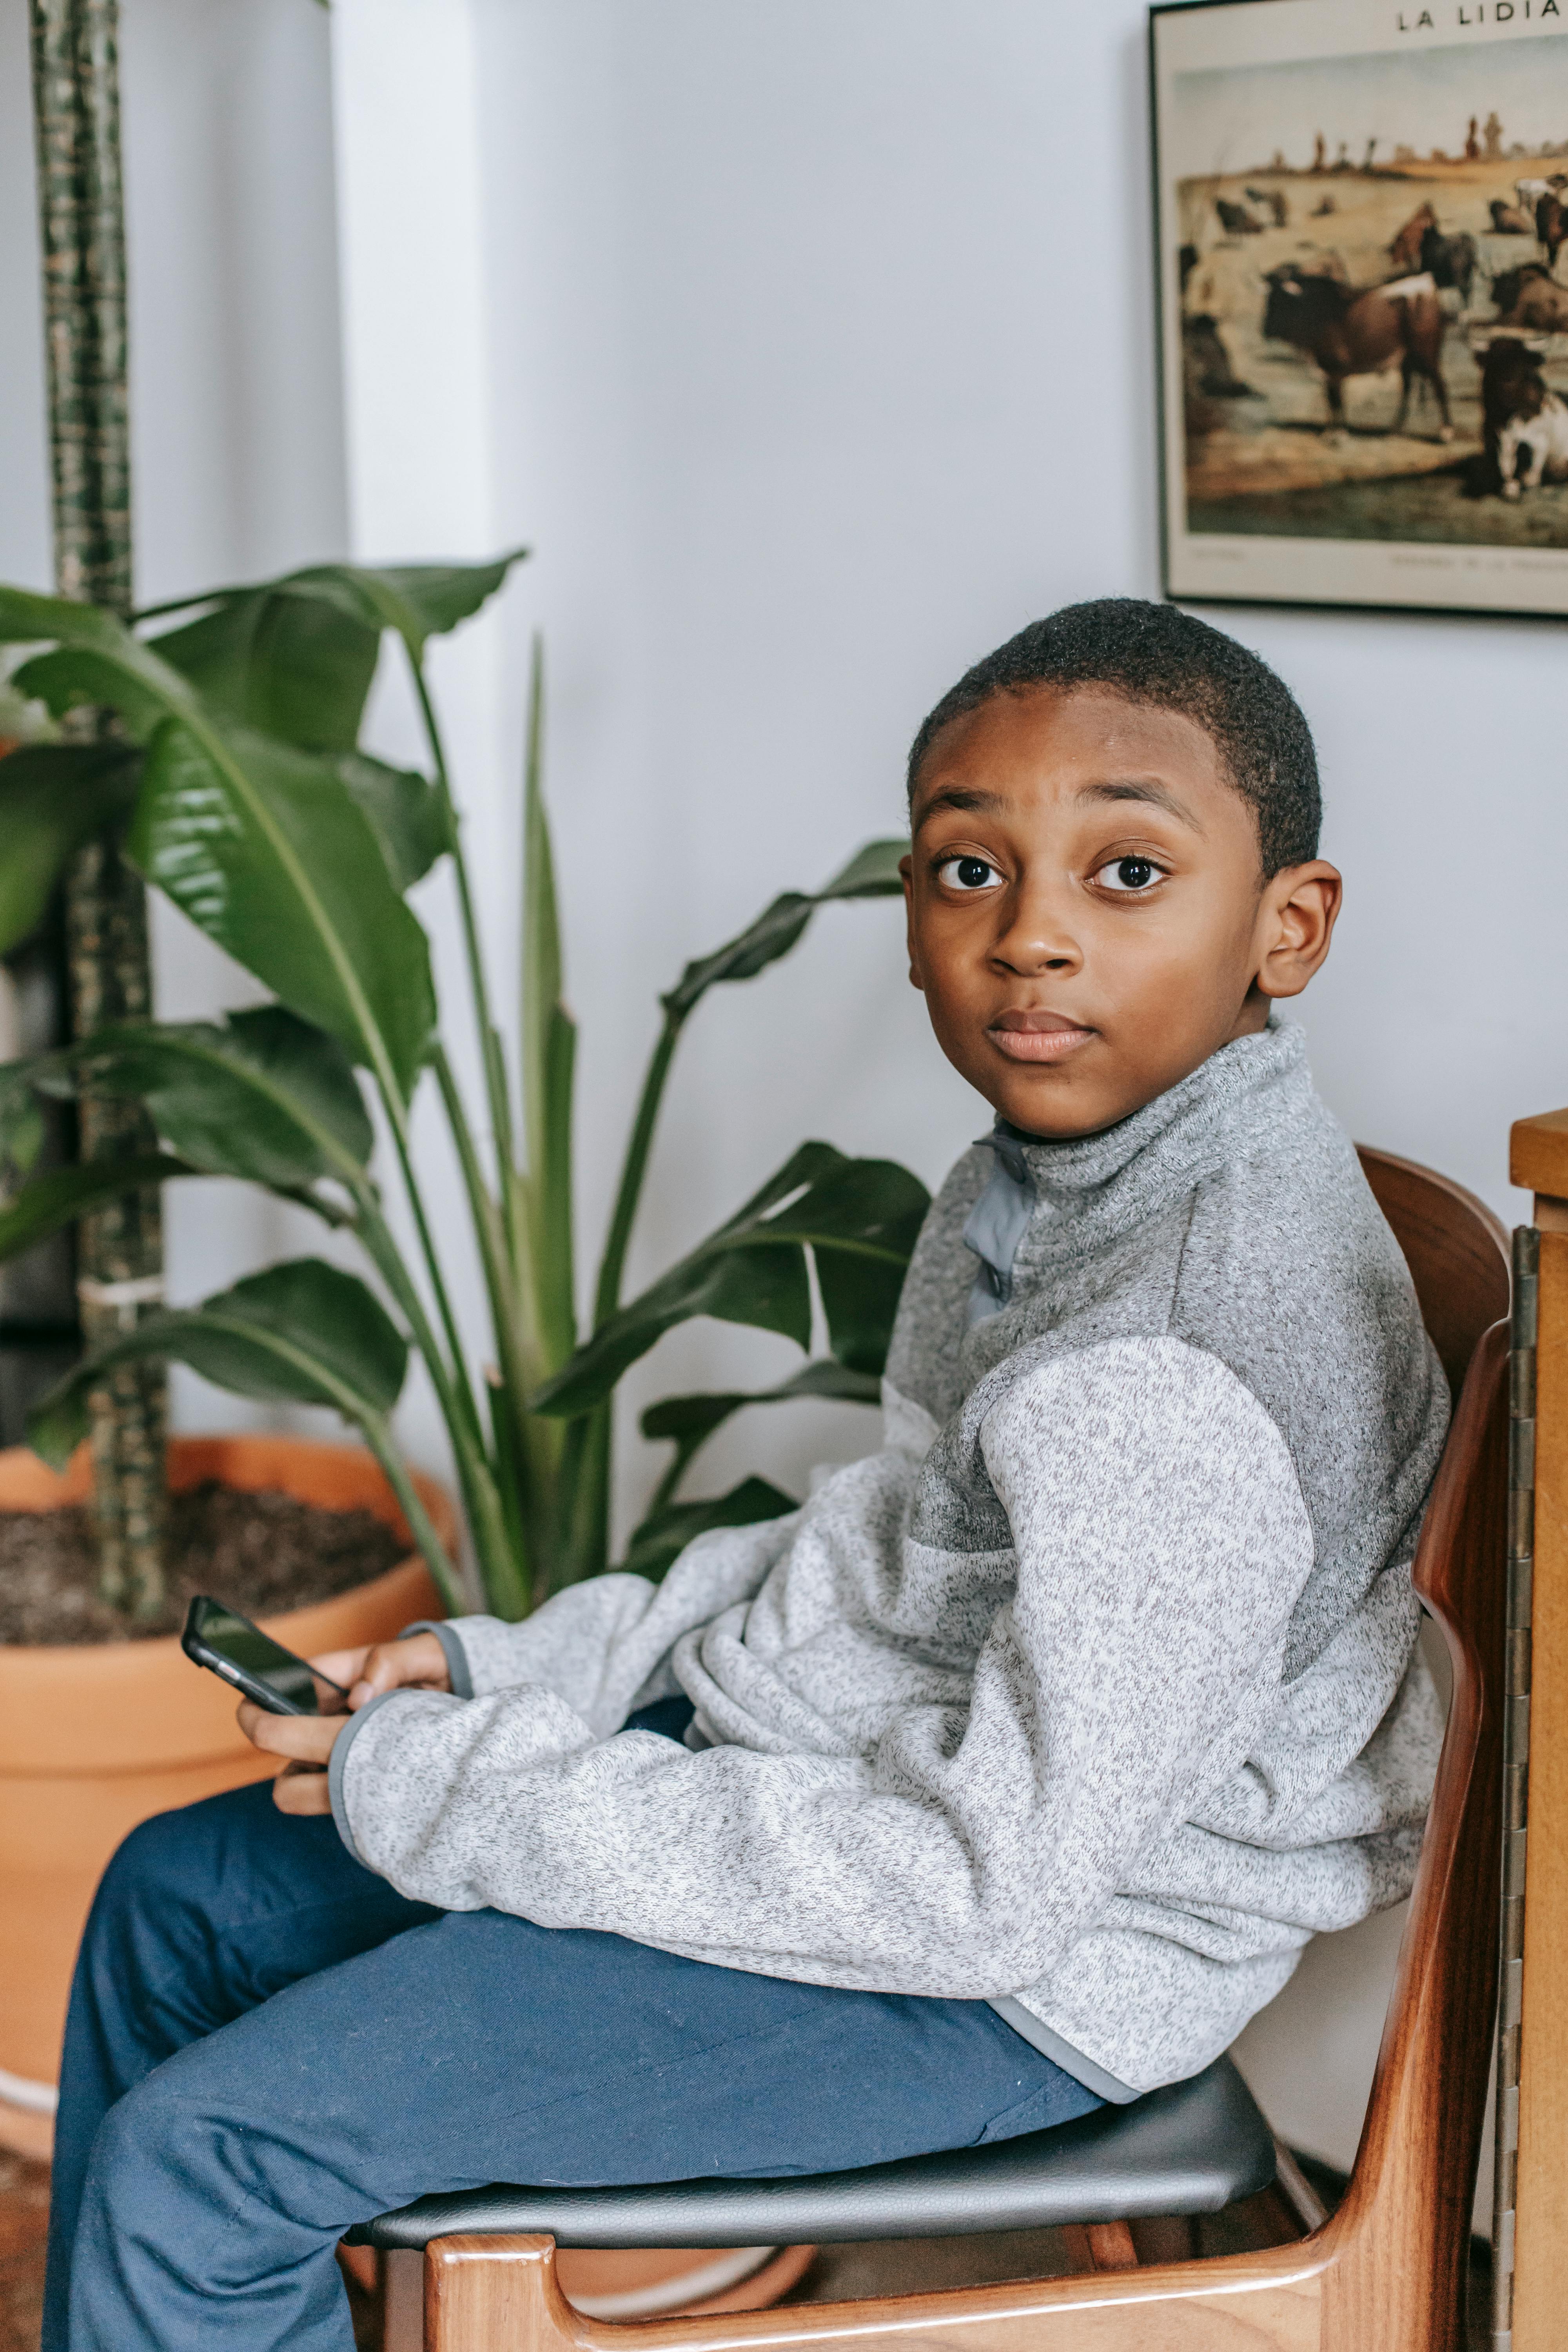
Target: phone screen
{"points": [[256, 1653]]}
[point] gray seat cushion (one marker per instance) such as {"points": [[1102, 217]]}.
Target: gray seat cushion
{"points": [[1189, 2149]]}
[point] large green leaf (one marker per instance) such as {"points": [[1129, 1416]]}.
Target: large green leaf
{"points": [[666, 1533], [436, 596], [264, 1097], [406, 811], [766, 1289], [263, 846], [770, 935], [281, 659], [23, 1135], [267, 851], [873, 1207], [861, 1221], [776, 1298], [689, 1422], [27, 618], [872, 872], [53, 798], [860, 1299], [302, 1333], [54, 1200], [294, 656], [753, 1269], [96, 661]]}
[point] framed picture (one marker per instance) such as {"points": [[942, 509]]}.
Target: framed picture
{"points": [[1361, 213]]}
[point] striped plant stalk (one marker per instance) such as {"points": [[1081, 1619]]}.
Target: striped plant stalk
{"points": [[75, 91]]}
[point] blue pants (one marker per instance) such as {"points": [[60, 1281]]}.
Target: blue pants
{"points": [[266, 2045]]}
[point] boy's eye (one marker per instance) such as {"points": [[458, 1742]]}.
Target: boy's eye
{"points": [[967, 874], [1128, 876]]}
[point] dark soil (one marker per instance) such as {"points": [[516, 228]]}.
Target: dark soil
{"points": [[262, 1552]]}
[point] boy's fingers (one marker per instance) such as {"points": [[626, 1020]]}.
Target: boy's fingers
{"points": [[392, 1665], [301, 1788], [344, 1667], [304, 1738]]}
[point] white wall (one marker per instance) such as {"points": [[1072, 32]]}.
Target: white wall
{"points": [[810, 346]]}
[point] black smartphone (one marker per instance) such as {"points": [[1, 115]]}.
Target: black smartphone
{"points": [[228, 1644]]}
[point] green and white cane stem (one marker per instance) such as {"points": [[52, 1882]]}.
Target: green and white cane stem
{"points": [[76, 89]]}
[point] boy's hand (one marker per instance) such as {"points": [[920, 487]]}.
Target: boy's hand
{"points": [[420, 1662], [307, 1740]]}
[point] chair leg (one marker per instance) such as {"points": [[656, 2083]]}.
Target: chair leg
{"points": [[494, 2294], [1298, 2190], [1111, 2246], [1173, 2238], [364, 2276]]}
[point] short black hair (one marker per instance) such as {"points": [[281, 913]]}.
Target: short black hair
{"points": [[1167, 660]]}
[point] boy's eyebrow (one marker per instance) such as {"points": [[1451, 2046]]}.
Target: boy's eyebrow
{"points": [[1138, 788], [967, 798]]}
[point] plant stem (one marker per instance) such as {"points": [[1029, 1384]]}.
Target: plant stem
{"points": [[538, 1446], [77, 113], [589, 1452], [489, 1039], [498, 1567], [378, 1437], [542, 1242], [634, 1167], [583, 1546], [397, 1121]]}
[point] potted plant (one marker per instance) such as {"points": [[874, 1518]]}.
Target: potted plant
{"points": [[246, 796]]}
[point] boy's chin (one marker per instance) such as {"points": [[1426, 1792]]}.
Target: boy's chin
{"points": [[1061, 1104], [1051, 1105]]}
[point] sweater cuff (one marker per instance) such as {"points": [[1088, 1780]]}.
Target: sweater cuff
{"points": [[338, 1765], [456, 1657]]}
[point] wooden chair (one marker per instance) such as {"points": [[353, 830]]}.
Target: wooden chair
{"points": [[1387, 2273]]}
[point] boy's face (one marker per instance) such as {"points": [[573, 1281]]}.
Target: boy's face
{"points": [[1087, 916]]}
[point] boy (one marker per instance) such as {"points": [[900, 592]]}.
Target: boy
{"points": [[1011, 1773]]}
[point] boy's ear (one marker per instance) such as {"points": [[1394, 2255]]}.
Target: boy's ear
{"points": [[1296, 919], [907, 874]]}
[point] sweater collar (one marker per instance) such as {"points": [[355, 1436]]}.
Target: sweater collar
{"points": [[1096, 1186]]}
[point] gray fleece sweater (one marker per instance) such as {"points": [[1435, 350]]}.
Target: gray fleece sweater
{"points": [[1094, 1694]]}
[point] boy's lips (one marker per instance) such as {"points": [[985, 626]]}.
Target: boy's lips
{"points": [[1037, 1036]]}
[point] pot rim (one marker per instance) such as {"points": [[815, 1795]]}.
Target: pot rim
{"points": [[194, 1457]]}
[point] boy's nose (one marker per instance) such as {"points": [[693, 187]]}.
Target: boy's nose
{"points": [[1037, 936]]}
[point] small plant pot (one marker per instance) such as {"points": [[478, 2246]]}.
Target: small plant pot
{"points": [[94, 1738]]}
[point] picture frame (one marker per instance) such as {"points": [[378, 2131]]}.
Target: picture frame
{"points": [[1362, 260]]}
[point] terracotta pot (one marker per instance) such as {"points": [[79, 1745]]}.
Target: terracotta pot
{"points": [[94, 1738]]}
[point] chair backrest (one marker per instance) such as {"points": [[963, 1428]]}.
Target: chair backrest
{"points": [[1405, 2224], [1455, 1249]]}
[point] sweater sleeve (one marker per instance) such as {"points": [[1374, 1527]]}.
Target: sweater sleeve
{"points": [[1161, 1540], [604, 1645]]}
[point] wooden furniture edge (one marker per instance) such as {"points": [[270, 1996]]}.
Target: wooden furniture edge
{"points": [[504, 2291], [1538, 1154], [1540, 2248], [1448, 1184], [1403, 2253]]}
